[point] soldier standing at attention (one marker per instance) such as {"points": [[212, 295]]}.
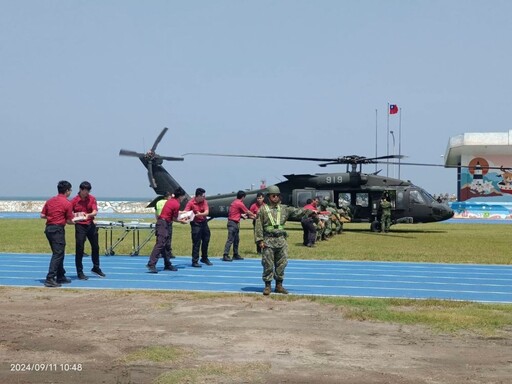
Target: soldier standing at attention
{"points": [[85, 205], [169, 214], [199, 227], [254, 208], [57, 212], [271, 237], [385, 218], [237, 210]]}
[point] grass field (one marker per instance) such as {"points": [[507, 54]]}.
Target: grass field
{"points": [[437, 243]]}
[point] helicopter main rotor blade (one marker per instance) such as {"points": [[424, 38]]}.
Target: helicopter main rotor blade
{"points": [[159, 138], [357, 160], [259, 157], [354, 159], [328, 161], [171, 158], [126, 152], [387, 157], [446, 166], [424, 164]]}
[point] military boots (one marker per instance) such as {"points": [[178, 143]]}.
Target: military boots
{"points": [[280, 288], [267, 289]]}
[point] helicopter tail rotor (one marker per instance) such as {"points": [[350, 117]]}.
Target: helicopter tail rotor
{"points": [[151, 159], [152, 182]]}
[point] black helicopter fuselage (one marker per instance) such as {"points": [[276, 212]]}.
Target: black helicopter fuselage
{"points": [[164, 181], [361, 192]]}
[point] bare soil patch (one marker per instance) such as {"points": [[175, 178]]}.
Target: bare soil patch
{"points": [[228, 339]]}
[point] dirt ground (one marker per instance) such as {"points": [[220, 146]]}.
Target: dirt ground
{"points": [[66, 336]]}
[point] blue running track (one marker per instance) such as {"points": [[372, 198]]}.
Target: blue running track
{"points": [[469, 282]]}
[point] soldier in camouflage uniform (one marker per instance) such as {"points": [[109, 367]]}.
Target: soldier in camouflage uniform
{"points": [[344, 216], [385, 218], [345, 212], [327, 206], [336, 223], [270, 235]]}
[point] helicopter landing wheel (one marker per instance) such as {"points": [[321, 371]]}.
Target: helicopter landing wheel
{"points": [[375, 226]]}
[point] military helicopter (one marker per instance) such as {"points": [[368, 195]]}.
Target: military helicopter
{"points": [[353, 188]]}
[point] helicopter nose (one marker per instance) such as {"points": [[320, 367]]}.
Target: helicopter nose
{"points": [[449, 213], [442, 211]]}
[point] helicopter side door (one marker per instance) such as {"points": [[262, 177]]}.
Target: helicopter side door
{"points": [[392, 196], [301, 196], [363, 209], [367, 204]]}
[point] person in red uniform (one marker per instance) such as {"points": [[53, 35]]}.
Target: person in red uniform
{"points": [[308, 223], [169, 214], [85, 208], [57, 212], [312, 204], [237, 210], [199, 227], [158, 209], [260, 201], [254, 208]]}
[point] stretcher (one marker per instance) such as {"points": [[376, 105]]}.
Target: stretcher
{"points": [[133, 227]]}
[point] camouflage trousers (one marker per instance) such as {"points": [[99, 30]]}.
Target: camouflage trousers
{"points": [[274, 261], [327, 229], [337, 223], [385, 222]]}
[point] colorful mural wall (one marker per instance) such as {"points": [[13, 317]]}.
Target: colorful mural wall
{"points": [[468, 210], [486, 177], [485, 187]]}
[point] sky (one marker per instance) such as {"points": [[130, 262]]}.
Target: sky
{"points": [[79, 80]]}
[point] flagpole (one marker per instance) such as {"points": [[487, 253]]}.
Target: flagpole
{"points": [[387, 146], [376, 130], [399, 139]]}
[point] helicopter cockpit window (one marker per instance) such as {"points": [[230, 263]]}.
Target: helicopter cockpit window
{"points": [[416, 197], [362, 199], [428, 197]]}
